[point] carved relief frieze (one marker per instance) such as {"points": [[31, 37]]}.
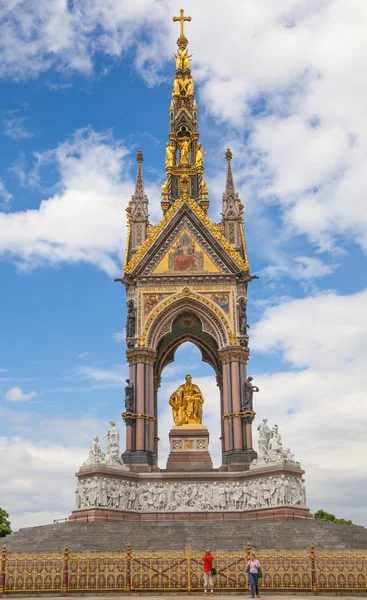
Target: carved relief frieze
{"points": [[262, 492]]}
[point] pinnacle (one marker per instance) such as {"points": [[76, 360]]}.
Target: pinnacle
{"points": [[139, 156], [230, 189]]}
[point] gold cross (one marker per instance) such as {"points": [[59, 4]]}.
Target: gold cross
{"points": [[182, 19]]}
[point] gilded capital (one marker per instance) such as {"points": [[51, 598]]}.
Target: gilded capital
{"points": [[233, 353], [141, 355]]}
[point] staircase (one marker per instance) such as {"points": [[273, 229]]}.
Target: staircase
{"points": [[230, 535]]}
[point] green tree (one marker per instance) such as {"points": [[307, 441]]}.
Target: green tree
{"points": [[322, 515], [5, 527]]}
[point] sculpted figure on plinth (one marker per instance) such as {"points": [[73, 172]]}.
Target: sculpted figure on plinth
{"points": [[264, 438], [131, 320], [271, 447], [170, 153], [184, 152], [113, 457], [129, 396], [248, 394], [95, 453], [187, 404]]}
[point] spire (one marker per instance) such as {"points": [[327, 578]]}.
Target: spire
{"points": [[232, 210], [139, 184], [184, 153], [230, 189], [137, 211], [139, 200]]}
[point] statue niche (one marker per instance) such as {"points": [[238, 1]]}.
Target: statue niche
{"points": [[187, 404]]}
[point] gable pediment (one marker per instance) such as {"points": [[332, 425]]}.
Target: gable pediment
{"points": [[186, 241], [187, 253]]}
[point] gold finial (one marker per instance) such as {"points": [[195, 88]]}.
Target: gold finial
{"points": [[229, 154], [182, 20], [139, 156]]}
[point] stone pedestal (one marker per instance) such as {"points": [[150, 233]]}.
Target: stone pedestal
{"points": [[189, 449]]}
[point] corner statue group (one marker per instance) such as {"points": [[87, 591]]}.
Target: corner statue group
{"points": [[187, 404]]}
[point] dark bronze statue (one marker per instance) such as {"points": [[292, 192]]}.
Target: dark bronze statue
{"points": [[248, 395], [129, 397], [242, 316], [130, 323]]}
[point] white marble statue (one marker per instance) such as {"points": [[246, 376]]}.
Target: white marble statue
{"points": [[263, 492], [270, 447], [95, 453], [112, 457]]}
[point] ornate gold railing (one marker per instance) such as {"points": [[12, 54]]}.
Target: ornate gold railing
{"points": [[127, 571]]}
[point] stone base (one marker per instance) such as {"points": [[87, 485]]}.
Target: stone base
{"points": [[279, 513], [189, 449], [237, 460], [140, 461]]}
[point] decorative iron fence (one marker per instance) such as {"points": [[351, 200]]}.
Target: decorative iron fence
{"points": [[130, 571]]}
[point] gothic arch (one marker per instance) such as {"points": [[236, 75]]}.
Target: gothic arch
{"points": [[187, 328], [206, 313]]}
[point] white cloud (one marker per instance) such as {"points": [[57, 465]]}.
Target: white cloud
{"points": [[301, 267], [319, 406], [120, 336], [37, 479], [5, 196], [105, 377], [16, 394], [14, 127], [83, 220]]}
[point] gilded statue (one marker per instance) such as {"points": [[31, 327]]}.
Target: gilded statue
{"points": [[184, 152], [182, 59], [204, 187], [187, 404], [170, 152], [164, 187], [199, 157], [190, 87], [176, 87]]}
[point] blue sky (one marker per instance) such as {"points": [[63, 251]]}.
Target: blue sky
{"points": [[84, 86]]}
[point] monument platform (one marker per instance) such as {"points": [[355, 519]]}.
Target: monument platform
{"points": [[270, 492]]}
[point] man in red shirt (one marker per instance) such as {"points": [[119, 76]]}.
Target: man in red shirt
{"points": [[208, 577]]}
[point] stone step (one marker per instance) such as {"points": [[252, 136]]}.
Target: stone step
{"points": [[114, 536]]}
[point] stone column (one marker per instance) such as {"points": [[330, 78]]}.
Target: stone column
{"points": [[139, 453], [152, 412], [238, 452], [157, 384], [226, 422], [238, 442], [220, 385], [131, 422], [140, 401]]}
